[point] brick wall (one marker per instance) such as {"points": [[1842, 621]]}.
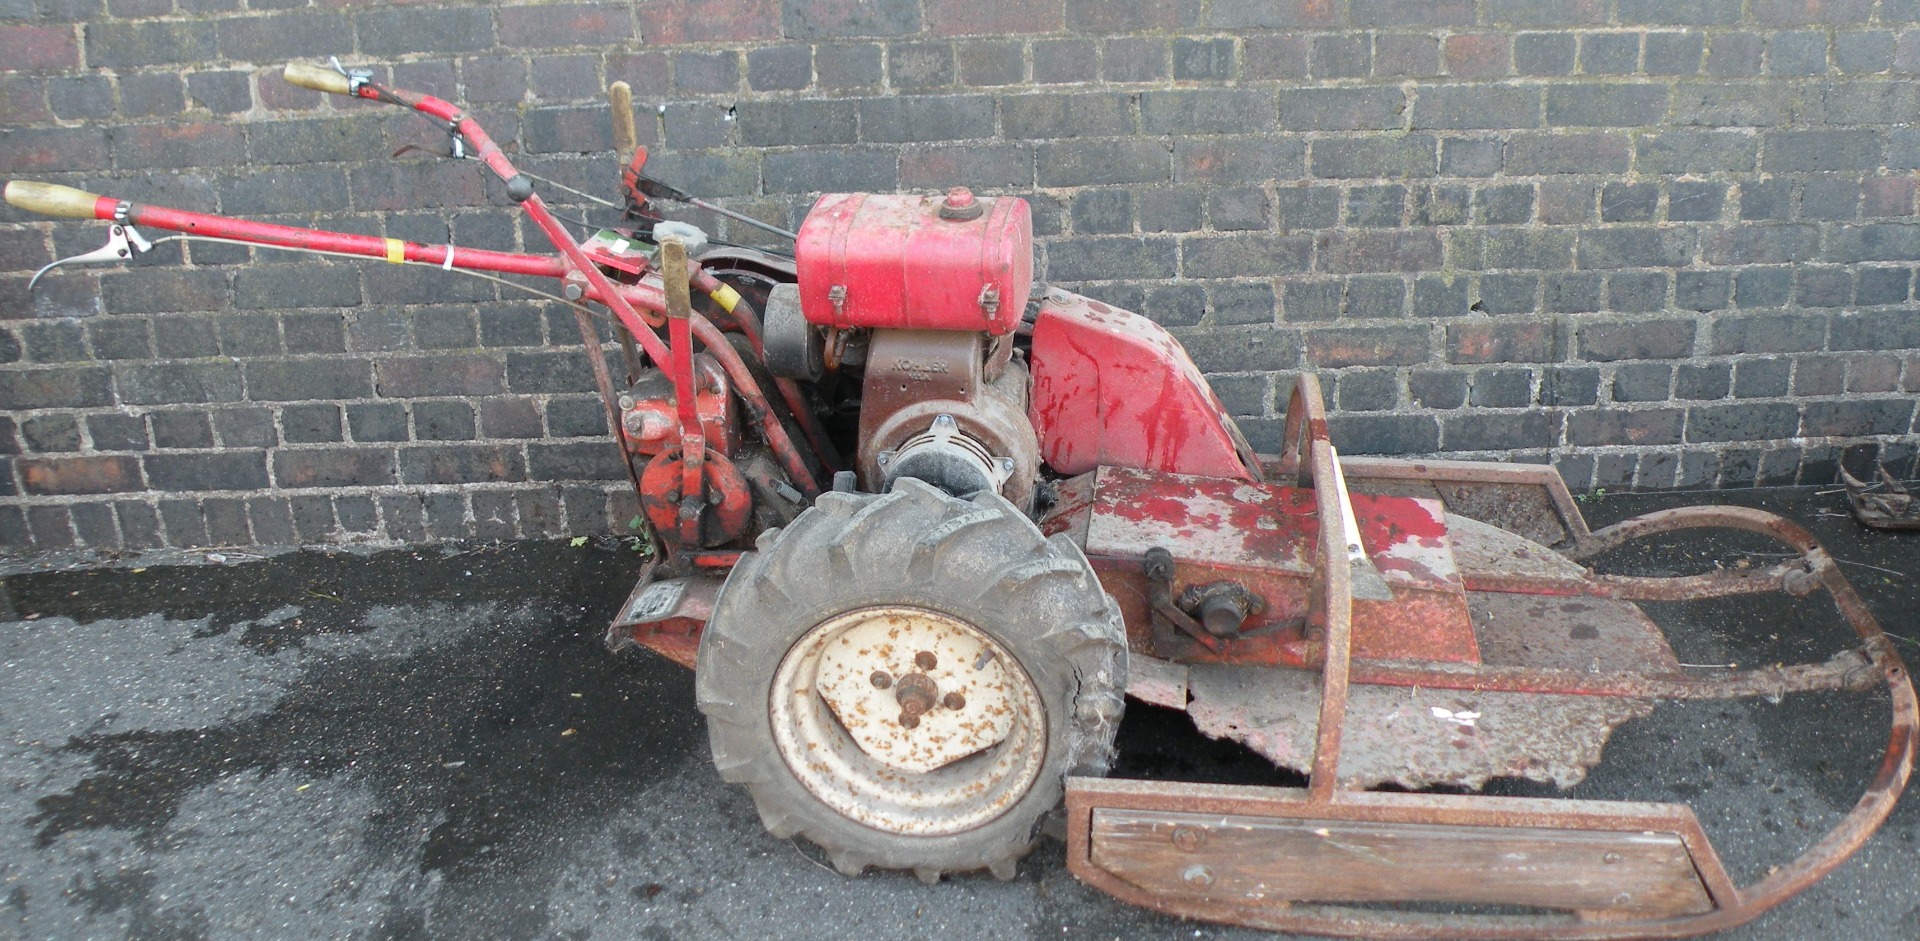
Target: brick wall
{"points": [[1660, 244]]}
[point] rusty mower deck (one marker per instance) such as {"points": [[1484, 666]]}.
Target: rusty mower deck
{"points": [[1552, 657]]}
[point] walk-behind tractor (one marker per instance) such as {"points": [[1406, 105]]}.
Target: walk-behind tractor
{"points": [[923, 526]]}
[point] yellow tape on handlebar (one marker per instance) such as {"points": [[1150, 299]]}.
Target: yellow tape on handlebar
{"points": [[726, 297], [396, 251]]}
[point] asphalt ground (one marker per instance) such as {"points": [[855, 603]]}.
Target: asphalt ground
{"points": [[433, 743]]}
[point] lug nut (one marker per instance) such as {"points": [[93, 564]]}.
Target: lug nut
{"points": [[954, 701], [916, 694], [880, 679], [925, 660]]}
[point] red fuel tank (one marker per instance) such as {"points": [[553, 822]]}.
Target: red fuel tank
{"points": [[957, 262]]}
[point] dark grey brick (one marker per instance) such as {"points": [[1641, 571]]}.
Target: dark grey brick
{"points": [[1471, 156], [1341, 57], [1385, 434], [1396, 250], [1637, 291], [848, 65], [831, 170], [1437, 296], [1202, 59], [1569, 386], [1239, 208], [1883, 286], [986, 63], [1507, 294], [1609, 53], [1742, 104], [1822, 287], [1636, 247], [1305, 301], [926, 118], [1499, 432], [1504, 205], [1674, 53], [1702, 381], [1175, 305], [48, 433], [176, 429], [1457, 107], [1207, 111], [1437, 388], [1239, 302], [788, 121], [1821, 151], [1797, 53], [1760, 378], [1128, 59], [1366, 390], [1170, 209], [1863, 53], [388, 33], [1531, 154], [1606, 105], [1502, 388], [1689, 201], [1629, 202], [1238, 159], [1830, 198], [1696, 152], [1082, 163], [1065, 115], [1857, 417], [706, 72], [1643, 382], [1343, 109], [1574, 292], [1746, 421], [1763, 287], [1544, 53], [1703, 290], [1104, 259], [1062, 61], [780, 68], [919, 65], [1639, 339], [1102, 212], [1383, 157]]}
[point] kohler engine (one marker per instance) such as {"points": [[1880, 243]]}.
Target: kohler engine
{"points": [[926, 293]]}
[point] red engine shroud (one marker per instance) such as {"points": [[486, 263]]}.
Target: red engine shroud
{"points": [[1111, 387], [899, 262]]}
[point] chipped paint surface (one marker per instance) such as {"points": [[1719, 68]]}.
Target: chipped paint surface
{"points": [[1112, 387], [853, 752], [886, 644], [1410, 737]]}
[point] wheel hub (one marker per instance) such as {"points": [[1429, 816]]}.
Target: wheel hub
{"points": [[925, 657], [908, 720]]}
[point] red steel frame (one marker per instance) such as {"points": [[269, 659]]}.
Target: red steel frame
{"points": [[640, 307]]}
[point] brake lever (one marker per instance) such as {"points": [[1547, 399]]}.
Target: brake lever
{"points": [[123, 242]]}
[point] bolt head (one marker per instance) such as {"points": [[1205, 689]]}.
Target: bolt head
{"points": [[880, 679]]}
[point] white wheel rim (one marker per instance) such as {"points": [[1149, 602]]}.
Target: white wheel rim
{"points": [[844, 739]]}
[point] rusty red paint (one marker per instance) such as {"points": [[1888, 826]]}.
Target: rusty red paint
{"points": [[1266, 537], [1114, 388], [896, 262]]}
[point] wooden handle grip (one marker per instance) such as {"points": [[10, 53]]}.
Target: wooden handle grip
{"points": [[49, 199], [316, 78], [625, 139]]}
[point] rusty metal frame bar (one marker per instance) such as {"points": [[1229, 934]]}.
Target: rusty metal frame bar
{"points": [[1306, 447]]}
